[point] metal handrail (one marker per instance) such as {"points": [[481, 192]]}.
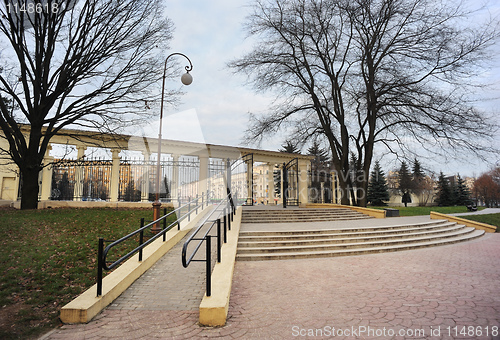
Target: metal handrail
{"points": [[227, 218], [244, 160], [286, 167], [103, 252]]}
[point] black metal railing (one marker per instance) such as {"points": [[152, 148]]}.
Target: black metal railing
{"points": [[244, 186], [102, 264], [291, 183], [222, 215]]}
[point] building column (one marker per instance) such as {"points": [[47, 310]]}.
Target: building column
{"points": [[79, 175], [174, 188], [203, 175], [46, 184], [303, 186], [145, 178], [250, 181], [282, 194], [115, 177], [270, 183], [336, 192]]}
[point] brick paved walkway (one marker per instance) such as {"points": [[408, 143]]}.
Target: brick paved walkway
{"points": [[413, 292], [167, 285]]}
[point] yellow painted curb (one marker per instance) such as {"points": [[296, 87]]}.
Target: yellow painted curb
{"points": [[478, 225], [87, 305], [214, 308], [377, 213]]}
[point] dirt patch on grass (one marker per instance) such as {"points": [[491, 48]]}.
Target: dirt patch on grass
{"points": [[9, 319], [8, 315]]}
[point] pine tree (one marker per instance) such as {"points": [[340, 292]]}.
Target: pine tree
{"points": [[289, 147], [462, 192], [320, 174], [444, 194], [405, 183], [418, 177], [353, 169], [320, 161], [377, 187], [277, 182], [454, 192]]}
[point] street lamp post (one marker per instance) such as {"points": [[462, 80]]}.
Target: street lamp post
{"points": [[186, 79]]}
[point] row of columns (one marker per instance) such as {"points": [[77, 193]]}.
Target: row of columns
{"points": [[46, 178], [303, 185]]}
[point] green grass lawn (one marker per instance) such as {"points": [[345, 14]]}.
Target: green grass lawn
{"points": [[48, 257], [492, 219], [416, 211]]}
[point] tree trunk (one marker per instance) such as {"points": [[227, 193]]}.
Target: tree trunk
{"points": [[31, 166], [363, 180], [361, 199], [29, 190], [344, 187]]}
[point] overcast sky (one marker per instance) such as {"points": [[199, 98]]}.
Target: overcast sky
{"points": [[215, 106]]}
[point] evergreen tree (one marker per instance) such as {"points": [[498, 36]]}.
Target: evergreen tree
{"points": [[418, 177], [454, 192], [463, 193], [377, 187], [320, 173], [167, 184], [289, 147], [353, 169], [320, 161], [405, 185], [131, 194], [277, 182], [444, 194], [64, 188]]}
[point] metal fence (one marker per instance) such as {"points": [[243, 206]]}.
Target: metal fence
{"points": [[90, 180], [81, 180]]}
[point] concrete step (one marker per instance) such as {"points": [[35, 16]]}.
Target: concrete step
{"points": [[347, 238], [291, 211], [317, 253], [348, 230], [305, 219], [299, 215], [355, 243]]}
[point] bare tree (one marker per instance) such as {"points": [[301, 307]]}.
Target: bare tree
{"points": [[364, 72], [74, 64]]}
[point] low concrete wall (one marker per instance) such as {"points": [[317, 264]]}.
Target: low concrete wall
{"points": [[96, 204], [87, 305], [214, 308], [367, 211], [5, 203], [86, 204], [478, 225]]}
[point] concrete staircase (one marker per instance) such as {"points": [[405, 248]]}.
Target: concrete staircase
{"points": [[300, 215], [278, 245]]}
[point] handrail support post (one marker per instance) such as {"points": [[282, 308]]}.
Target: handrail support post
{"points": [[141, 239], [219, 245], [100, 250], [209, 266], [164, 224]]}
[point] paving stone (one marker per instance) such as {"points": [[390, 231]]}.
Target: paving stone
{"points": [[426, 289]]}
